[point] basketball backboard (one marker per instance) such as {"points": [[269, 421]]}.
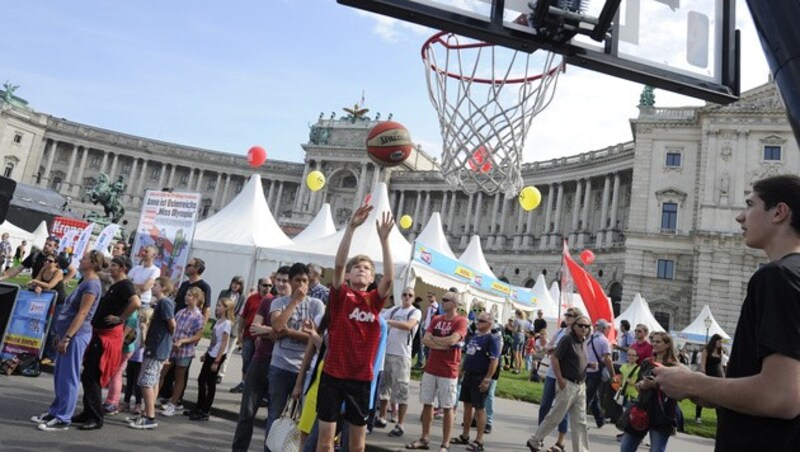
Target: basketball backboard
{"points": [[686, 46]]}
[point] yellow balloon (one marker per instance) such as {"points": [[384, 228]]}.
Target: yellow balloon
{"points": [[530, 197], [315, 180], [406, 221]]}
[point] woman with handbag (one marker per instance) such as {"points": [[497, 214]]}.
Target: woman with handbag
{"points": [[660, 418]]}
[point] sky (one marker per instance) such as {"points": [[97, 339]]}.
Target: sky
{"points": [[225, 76]]}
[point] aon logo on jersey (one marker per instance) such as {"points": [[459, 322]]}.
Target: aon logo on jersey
{"points": [[362, 316]]}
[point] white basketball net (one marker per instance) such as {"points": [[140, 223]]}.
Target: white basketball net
{"points": [[485, 110]]}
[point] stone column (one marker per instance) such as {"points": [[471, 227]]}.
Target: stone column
{"points": [[500, 236], [401, 205], [224, 199], [277, 211], [104, 162], [583, 235], [162, 176], [74, 155], [443, 208], [49, 166], [557, 222], [492, 220], [142, 175], [362, 187], [425, 211], [468, 216], [603, 212], [614, 205], [76, 189], [527, 238], [543, 242], [172, 171], [191, 179], [518, 230], [215, 198], [269, 193], [298, 202], [417, 206], [477, 217], [199, 187], [451, 214], [392, 201], [576, 202], [131, 182], [113, 171], [376, 173]]}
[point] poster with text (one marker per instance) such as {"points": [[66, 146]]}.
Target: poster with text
{"points": [[27, 327], [167, 222]]}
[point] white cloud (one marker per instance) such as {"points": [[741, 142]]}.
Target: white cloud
{"points": [[391, 29]]}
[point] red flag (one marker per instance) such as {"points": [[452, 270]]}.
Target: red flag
{"points": [[592, 293]]}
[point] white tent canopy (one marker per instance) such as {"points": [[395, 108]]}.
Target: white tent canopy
{"points": [[545, 301], [321, 226], [473, 256], [555, 293], [16, 235], [40, 235], [639, 312], [433, 235], [365, 241], [228, 241], [697, 332]]}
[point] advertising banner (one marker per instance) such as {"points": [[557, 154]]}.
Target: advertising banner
{"points": [[106, 236], [27, 326], [67, 230], [167, 222]]}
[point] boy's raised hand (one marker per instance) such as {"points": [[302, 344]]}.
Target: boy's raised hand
{"points": [[385, 225], [360, 215]]}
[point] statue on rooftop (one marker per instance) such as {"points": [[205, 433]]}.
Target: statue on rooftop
{"points": [[648, 98]]}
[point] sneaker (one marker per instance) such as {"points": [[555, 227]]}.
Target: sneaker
{"points": [[698, 421], [110, 410], [379, 423], [53, 425], [143, 423], [131, 419], [238, 389], [42, 418], [397, 431], [199, 416], [169, 410], [488, 429]]}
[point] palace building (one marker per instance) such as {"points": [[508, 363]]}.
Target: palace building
{"points": [[658, 211]]}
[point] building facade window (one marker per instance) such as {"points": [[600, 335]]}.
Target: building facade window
{"points": [[211, 185], [155, 173], [669, 216], [184, 179], [673, 159], [8, 169], [772, 153], [95, 161], [665, 269], [663, 318], [17, 138]]}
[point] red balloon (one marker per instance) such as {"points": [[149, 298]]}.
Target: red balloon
{"points": [[256, 156], [587, 257]]}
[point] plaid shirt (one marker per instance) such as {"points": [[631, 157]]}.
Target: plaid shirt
{"points": [[188, 323], [319, 292]]}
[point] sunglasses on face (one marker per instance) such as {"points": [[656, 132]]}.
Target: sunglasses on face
{"points": [[583, 325], [569, 315], [639, 331], [447, 299], [408, 295], [189, 265], [266, 285]]}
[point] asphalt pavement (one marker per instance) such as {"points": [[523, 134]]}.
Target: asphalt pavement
{"points": [[22, 397]]}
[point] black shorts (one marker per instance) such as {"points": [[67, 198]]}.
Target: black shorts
{"points": [[470, 393], [335, 391]]}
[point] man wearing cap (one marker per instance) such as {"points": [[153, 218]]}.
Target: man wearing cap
{"points": [[104, 354], [598, 355]]}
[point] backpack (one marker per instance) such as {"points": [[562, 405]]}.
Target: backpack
{"points": [[408, 317]]}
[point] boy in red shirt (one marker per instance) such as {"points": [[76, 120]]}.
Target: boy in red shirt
{"points": [[353, 335]]}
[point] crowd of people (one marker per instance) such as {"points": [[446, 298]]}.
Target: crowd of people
{"points": [[343, 354]]}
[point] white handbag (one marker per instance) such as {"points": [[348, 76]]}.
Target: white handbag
{"points": [[283, 434]]}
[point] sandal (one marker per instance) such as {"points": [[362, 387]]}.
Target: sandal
{"points": [[557, 448], [420, 444], [475, 446], [461, 439]]}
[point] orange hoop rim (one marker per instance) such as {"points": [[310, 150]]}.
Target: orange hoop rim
{"points": [[438, 39]]}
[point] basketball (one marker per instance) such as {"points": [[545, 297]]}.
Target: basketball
{"points": [[389, 144]]}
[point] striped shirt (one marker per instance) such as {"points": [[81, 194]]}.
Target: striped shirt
{"points": [[188, 323]]}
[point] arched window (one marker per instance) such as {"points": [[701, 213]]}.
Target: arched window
{"points": [[8, 170]]}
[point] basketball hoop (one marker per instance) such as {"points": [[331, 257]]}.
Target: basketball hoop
{"points": [[485, 109]]}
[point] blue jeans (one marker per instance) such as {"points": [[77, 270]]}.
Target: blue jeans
{"points": [[490, 402], [658, 441], [548, 395], [67, 378], [593, 382], [248, 348], [281, 384]]}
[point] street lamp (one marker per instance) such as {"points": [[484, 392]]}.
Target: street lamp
{"points": [[707, 322]]}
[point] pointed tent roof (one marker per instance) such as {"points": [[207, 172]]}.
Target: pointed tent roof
{"points": [[16, 234], [473, 256], [639, 312], [555, 293], [433, 236], [40, 235], [546, 303], [321, 226], [365, 241], [696, 331], [245, 221]]}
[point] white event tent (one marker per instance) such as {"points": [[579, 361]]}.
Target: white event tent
{"points": [[697, 332], [473, 256], [40, 235], [321, 226], [639, 312], [545, 301], [16, 235], [228, 241], [365, 241]]}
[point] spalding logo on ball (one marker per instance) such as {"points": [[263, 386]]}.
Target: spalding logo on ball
{"points": [[389, 144]]}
